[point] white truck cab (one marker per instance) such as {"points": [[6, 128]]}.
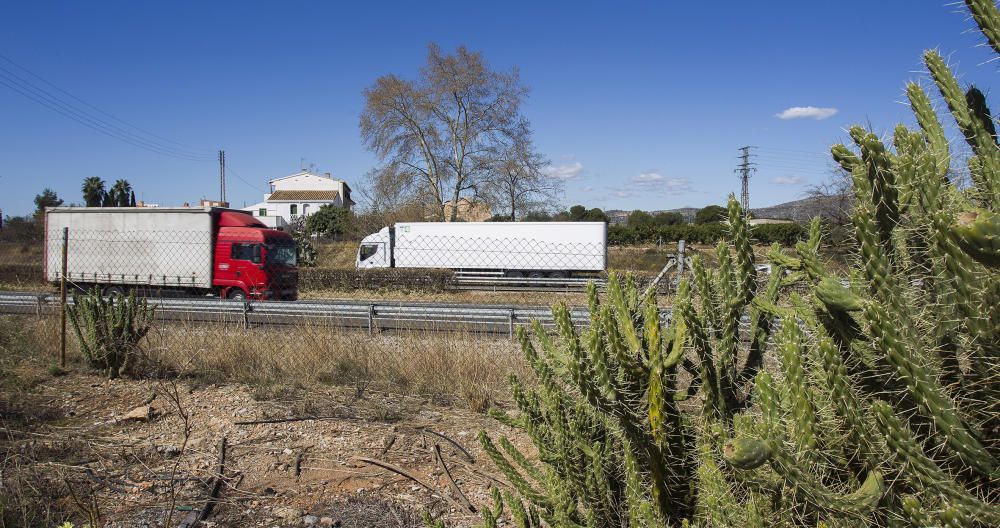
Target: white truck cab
{"points": [[374, 251]]}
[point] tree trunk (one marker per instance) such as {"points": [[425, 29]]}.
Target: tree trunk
{"points": [[454, 204]]}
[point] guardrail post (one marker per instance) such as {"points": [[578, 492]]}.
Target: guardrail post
{"points": [[62, 298], [371, 319], [510, 320], [246, 315]]}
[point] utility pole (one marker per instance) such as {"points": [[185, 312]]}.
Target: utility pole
{"points": [[222, 175], [745, 169]]}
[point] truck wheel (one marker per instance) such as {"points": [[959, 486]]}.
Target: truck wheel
{"points": [[536, 275], [114, 292], [237, 294], [558, 275]]}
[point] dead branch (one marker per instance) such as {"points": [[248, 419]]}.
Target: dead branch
{"points": [[220, 478], [468, 456], [451, 481], [285, 420], [399, 471]]}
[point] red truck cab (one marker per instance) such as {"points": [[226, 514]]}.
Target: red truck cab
{"points": [[252, 261]]}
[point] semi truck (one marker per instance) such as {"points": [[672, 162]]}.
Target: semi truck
{"points": [[511, 249], [184, 250]]}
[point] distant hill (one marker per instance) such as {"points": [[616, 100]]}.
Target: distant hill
{"points": [[802, 210], [805, 209]]}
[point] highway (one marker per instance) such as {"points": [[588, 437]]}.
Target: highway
{"points": [[373, 316]]}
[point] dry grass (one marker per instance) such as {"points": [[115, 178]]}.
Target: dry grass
{"points": [[21, 252], [463, 368], [455, 368], [336, 255], [65, 456]]}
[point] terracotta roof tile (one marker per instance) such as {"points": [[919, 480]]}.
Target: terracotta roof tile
{"points": [[316, 196]]}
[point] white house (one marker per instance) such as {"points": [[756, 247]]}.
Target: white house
{"points": [[300, 195]]}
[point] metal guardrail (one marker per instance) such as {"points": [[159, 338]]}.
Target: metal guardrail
{"points": [[373, 316], [525, 284]]}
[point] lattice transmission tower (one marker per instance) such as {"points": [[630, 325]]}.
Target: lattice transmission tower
{"points": [[745, 170]]}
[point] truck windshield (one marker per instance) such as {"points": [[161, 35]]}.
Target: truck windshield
{"points": [[367, 251], [281, 255]]}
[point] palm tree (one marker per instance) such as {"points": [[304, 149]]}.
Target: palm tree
{"points": [[93, 191], [120, 192]]}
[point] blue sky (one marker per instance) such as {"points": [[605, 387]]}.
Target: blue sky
{"points": [[638, 104]]}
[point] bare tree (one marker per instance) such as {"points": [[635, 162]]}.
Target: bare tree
{"points": [[833, 197], [442, 127], [390, 195], [519, 182]]}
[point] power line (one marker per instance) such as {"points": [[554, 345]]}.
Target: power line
{"points": [[230, 170], [85, 103], [71, 111]]}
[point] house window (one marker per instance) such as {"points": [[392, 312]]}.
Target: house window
{"points": [[305, 209], [293, 209], [262, 212]]}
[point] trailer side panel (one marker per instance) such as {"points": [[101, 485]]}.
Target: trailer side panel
{"points": [[170, 247], [572, 246]]}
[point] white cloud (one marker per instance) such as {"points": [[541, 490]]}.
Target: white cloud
{"points": [[786, 180], [647, 178], [806, 112], [564, 172], [652, 180]]}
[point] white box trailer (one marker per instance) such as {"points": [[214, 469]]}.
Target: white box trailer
{"points": [[169, 247], [537, 249]]}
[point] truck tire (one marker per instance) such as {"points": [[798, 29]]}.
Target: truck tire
{"points": [[536, 274], [558, 275], [237, 294], [114, 291]]}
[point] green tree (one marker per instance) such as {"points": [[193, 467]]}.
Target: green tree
{"points": [[712, 214], [537, 216], [328, 221], [577, 212], [640, 220], [48, 198], [120, 192], [667, 218], [93, 191], [596, 215]]}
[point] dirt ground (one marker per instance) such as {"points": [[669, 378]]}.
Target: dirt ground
{"points": [[69, 440]]}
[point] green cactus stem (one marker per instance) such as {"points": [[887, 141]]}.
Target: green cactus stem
{"points": [[978, 233]]}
